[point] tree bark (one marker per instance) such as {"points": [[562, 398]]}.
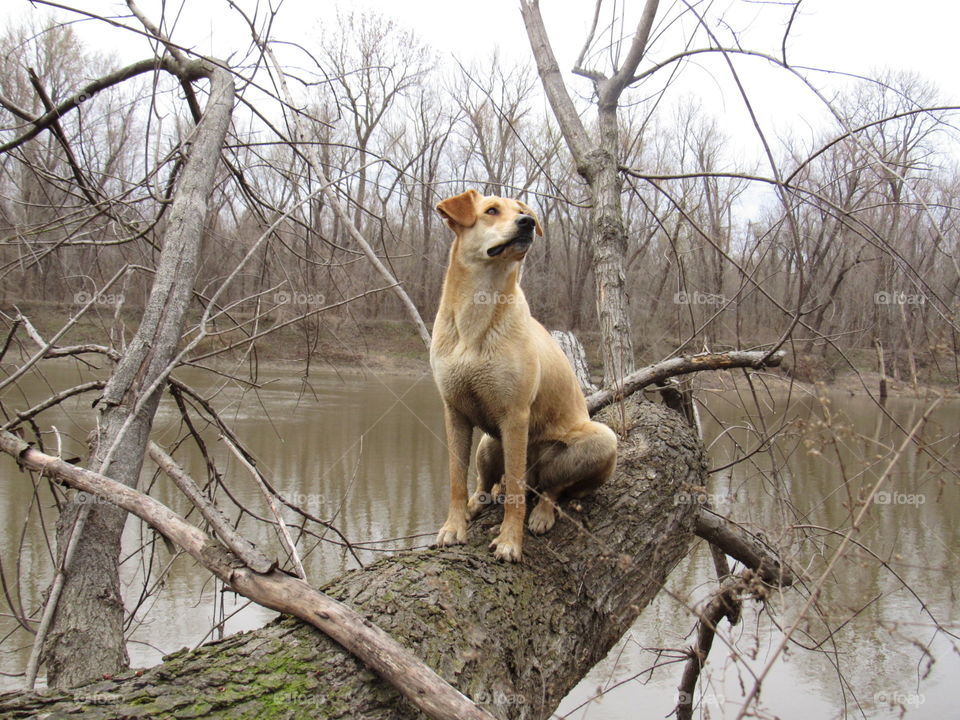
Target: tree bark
{"points": [[86, 634], [573, 349], [271, 588], [609, 250], [515, 638]]}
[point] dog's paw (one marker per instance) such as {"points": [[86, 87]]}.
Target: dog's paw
{"points": [[505, 548], [542, 517], [452, 533]]}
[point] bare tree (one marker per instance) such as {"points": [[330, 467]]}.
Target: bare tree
{"points": [[598, 162]]}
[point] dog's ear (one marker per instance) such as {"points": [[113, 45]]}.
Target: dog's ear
{"points": [[531, 213], [460, 209]]}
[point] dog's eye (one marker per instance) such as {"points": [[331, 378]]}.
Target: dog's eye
{"points": [[491, 211]]}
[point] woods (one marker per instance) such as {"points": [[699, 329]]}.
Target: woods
{"points": [[864, 208], [190, 215]]}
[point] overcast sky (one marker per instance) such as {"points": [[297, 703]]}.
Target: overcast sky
{"points": [[852, 36]]}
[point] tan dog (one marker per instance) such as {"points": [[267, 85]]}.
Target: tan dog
{"points": [[499, 369]]}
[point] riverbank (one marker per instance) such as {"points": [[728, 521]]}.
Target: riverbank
{"points": [[392, 347]]}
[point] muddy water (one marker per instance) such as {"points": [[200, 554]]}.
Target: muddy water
{"points": [[367, 451]]}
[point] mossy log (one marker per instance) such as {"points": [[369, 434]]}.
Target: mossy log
{"points": [[515, 638]]}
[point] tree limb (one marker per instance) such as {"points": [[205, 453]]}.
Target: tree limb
{"points": [[55, 399], [682, 366], [92, 88], [238, 545], [611, 89], [741, 546], [725, 603], [563, 108]]}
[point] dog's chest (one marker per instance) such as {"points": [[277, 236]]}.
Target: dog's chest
{"points": [[471, 387]]}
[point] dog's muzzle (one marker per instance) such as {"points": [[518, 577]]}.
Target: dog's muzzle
{"points": [[522, 240]]}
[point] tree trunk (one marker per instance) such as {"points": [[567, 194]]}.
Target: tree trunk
{"points": [[609, 249], [86, 635], [515, 638], [573, 349], [597, 162]]}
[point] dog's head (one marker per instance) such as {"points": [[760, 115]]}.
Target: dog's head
{"points": [[490, 229]]}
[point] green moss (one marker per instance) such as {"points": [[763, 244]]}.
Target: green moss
{"points": [[197, 710]]}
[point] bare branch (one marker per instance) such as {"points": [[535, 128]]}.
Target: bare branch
{"points": [[563, 108], [90, 89], [578, 65], [239, 545], [725, 603], [611, 90], [681, 366], [741, 546], [54, 399], [284, 533]]}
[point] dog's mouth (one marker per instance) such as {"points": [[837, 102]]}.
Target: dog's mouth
{"points": [[521, 241]]}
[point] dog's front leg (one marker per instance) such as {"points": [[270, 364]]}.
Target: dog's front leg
{"points": [[459, 440], [508, 545]]}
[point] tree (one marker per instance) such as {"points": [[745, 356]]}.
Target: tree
{"points": [[621, 544], [86, 633], [597, 162], [306, 198]]}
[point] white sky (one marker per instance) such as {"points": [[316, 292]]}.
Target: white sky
{"points": [[854, 36]]}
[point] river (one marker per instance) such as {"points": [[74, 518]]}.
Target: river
{"points": [[367, 452]]}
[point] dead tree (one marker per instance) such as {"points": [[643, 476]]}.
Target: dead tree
{"points": [[597, 162], [515, 639], [85, 612]]}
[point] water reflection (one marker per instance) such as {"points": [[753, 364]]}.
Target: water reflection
{"points": [[368, 453], [826, 455]]}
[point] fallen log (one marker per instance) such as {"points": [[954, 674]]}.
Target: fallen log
{"points": [[515, 638]]}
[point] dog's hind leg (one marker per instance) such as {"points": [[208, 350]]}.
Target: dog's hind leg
{"points": [[582, 462], [489, 474]]}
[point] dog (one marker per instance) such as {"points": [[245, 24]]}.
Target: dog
{"points": [[499, 370]]}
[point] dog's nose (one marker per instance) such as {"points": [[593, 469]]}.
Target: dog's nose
{"points": [[525, 222]]}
